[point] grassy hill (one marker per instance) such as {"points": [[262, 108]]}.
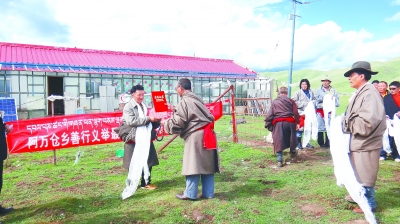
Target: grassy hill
{"points": [[388, 71]]}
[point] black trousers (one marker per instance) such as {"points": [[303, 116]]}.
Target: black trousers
{"points": [[1, 174], [321, 140], [142, 181]]}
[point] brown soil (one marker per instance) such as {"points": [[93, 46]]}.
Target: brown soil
{"points": [[116, 170], [111, 159], [357, 222], [314, 209], [255, 143], [396, 176]]}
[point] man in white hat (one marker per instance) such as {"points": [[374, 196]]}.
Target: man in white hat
{"points": [[325, 89], [365, 121]]}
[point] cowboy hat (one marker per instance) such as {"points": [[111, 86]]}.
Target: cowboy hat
{"points": [[326, 78], [360, 66]]}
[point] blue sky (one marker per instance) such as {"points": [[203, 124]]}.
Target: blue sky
{"points": [[354, 15], [329, 34]]}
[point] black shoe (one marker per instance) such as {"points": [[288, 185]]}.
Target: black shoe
{"points": [[299, 146], [280, 164], [293, 154], [4, 211], [309, 146]]}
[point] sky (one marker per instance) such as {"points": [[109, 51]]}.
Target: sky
{"points": [[254, 33]]}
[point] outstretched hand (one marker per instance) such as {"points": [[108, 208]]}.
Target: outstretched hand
{"points": [[8, 128], [154, 119]]}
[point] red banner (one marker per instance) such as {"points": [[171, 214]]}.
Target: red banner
{"points": [[159, 101], [52, 133], [59, 132]]}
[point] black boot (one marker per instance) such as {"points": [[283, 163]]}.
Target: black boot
{"points": [[4, 211], [327, 143], [299, 146], [321, 139]]}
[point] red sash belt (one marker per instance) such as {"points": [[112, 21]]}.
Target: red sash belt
{"points": [[280, 119], [301, 120], [320, 111], [209, 139]]}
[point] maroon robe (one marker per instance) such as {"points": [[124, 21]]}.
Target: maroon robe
{"points": [[283, 132]]}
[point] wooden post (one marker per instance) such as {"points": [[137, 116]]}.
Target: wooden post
{"points": [[234, 125], [54, 151]]}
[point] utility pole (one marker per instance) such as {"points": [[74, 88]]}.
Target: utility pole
{"points": [[293, 17]]}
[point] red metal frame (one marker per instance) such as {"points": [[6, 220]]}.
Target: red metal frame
{"points": [[234, 127]]}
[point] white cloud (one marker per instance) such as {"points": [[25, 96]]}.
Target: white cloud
{"points": [[396, 2], [26, 25], [394, 18], [244, 31]]}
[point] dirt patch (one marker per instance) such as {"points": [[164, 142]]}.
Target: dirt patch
{"points": [[357, 222], [80, 188], [221, 196], [316, 154], [307, 154], [23, 185], [314, 209], [76, 178], [198, 216], [266, 192], [111, 159], [55, 213], [98, 203], [49, 160], [396, 176], [266, 164], [253, 143], [116, 170]]}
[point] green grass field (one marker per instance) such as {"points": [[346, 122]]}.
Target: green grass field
{"points": [[250, 188]]}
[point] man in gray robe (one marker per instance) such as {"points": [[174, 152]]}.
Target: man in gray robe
{"points": [[282, 120], [131, 121], [189, 119], [365, 120], [325, 89]]}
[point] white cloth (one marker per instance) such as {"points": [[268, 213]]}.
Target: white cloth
{"points": [[396, 130], [385, 137], [328, 105], [340, 147], [310, 124], [139, 157]]}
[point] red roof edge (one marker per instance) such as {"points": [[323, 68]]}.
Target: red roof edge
{"points": [[74, 49]]}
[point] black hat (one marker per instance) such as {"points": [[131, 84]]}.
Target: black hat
{"points": [[362, 66]]}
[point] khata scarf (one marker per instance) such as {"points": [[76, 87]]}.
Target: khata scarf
{"points": [[139, 157], [396, 130], [340, 148], [310, 124], [329, 112], [385, 137]]}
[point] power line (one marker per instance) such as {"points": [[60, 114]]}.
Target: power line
{"points": [[277, 43]]}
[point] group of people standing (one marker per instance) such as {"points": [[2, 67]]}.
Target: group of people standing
{"points": [[302, 98], [190, 120], [364, 120], [291, 111], [391, 103]]}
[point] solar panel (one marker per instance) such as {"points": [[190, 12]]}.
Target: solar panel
{"points": [[10, 110]]}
